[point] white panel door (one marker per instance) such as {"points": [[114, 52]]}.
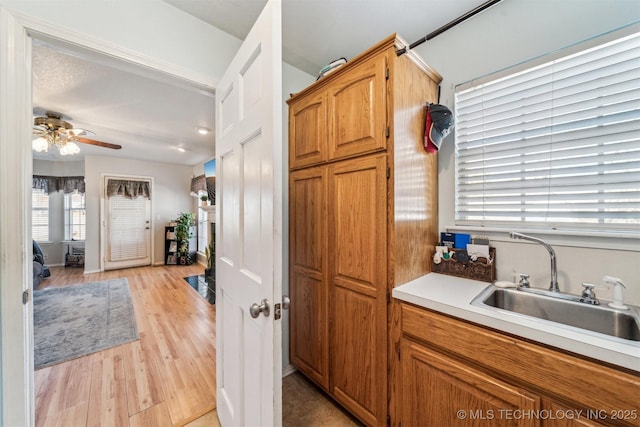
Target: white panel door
{"points": [[127, 230], [249, 228]]}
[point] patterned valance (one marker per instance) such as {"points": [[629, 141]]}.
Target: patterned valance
{"points": [[198, 186], [128, 188], [51, 184]]}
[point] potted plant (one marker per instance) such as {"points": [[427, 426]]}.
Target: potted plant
{"points": [[183, 234], [204, 199], [210, 252]]}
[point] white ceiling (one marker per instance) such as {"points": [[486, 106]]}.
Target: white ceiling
{"points": [[152, 115]]}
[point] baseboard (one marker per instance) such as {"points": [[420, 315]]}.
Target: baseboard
{"points": [[92, 271], [54, 265], [288, 370]]}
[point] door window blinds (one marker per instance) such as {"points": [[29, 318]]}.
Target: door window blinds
{"points": [[556, 145], [128, 223]]}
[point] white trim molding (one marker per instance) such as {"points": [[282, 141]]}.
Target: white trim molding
{"points": [[16, 268], [17, 395]]}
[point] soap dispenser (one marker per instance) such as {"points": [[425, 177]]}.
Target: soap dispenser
{"points": [[618, 301]]}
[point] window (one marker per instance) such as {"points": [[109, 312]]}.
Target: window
{"points": [[203, 224], [39, 215], [74, 216], [556, 146]]}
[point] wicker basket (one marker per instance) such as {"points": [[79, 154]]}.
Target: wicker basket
{"points": [[482, 269]]}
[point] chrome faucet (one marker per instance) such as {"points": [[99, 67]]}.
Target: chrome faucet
{"points": [[553, 287]]}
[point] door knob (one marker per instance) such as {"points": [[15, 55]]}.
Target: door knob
{"points": [[256, 309], [286, 302]]}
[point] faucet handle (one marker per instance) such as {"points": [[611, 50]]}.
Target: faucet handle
{"points": [[588, 294], [524, 281]]}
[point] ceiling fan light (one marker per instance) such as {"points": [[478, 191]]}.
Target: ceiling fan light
{"points": [[40, 144], [69, 149]]}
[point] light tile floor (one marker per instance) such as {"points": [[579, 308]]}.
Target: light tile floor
{"points": [[303, 405]]}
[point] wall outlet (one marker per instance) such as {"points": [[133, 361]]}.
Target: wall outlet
{"points": [[46, 256]]}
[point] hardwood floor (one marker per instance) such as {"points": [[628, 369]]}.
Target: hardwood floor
{"points": [[166, 378]]}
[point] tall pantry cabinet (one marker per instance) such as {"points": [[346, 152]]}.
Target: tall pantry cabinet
{"points": [[363, 218]]}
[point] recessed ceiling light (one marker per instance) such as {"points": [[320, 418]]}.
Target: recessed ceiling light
{"points": [[203, 130], [182, 150]]}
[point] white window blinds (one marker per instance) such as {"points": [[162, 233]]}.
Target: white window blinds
{"points": [[556, 145], [74, 216], [128, 228], [39, 215], [203, 225]]}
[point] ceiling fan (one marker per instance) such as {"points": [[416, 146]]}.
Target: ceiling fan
{"points": [[53, 129]]}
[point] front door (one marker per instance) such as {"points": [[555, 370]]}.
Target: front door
{"points": [[249, 180], [127, 224]]}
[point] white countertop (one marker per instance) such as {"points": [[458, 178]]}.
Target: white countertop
{"points": [[453, 295]]}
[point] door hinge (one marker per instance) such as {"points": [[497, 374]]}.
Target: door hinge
{"points": [[25, 297], [398, 351], [388, 172], [386, 73], [388, 420], [387, 132]]}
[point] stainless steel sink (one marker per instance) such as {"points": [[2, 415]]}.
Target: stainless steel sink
{"points": [[624, 324]]}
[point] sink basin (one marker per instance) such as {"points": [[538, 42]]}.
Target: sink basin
{"points": [[596, 318]]}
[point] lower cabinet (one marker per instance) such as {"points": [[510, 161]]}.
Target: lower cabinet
{"points": [[338, 271], [561, 416], [441, 391], [455, 373]]}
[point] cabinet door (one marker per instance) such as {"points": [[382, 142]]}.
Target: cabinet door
{"points": [[309, 319], [357, 110], [439, 391], [561, 416], [308, 131], [357, 274]]}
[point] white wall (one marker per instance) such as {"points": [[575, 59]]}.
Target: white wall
{"points": [[509, 33], [54, 251], [170, 196], [151, 28]]}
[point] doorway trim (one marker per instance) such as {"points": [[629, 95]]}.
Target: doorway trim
{"points": [[17, 33]]}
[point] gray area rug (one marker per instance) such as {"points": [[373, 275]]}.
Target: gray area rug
{"points": [[77, 320]]}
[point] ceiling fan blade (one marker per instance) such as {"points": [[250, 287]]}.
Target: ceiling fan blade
{"points": [[98, 143], [78, 132]]}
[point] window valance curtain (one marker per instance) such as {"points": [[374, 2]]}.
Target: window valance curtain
{"points": [[128, 188], [66, 184], [198, 186]]}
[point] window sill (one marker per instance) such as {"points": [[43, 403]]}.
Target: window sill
{"points": [[571, 238]]}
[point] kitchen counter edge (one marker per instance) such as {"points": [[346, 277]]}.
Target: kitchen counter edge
{"points": [[453, 295]]}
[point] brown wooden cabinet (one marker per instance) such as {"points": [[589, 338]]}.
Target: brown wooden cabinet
{"points": [[362, 214], [357, 109], [357, 283], [308, 131], [449, 365], [442, 391], [309, 330]]}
